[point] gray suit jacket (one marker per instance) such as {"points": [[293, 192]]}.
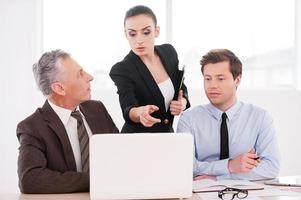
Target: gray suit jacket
{"points": [[46, 162]]}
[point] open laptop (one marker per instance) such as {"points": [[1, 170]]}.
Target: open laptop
{"points": [[141, 166]]}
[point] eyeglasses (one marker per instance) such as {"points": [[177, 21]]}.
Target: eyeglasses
{"points": [[231, 193]]}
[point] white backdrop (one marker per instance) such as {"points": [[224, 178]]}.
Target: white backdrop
{"points": [[20, 39]]}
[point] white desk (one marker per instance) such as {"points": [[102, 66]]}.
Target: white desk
{"points": [[71, 196], [86, 196]]}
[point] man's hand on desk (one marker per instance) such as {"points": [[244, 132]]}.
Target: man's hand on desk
{"points": [[244, 162], [196, 178]]}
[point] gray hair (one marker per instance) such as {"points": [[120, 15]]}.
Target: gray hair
{"points": [[46, 70]]}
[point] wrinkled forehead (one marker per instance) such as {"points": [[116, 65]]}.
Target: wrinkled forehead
{"points": [[68, 66]]}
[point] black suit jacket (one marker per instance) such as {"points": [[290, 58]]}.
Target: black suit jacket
{"points": [[137, 87], [46, 162]]}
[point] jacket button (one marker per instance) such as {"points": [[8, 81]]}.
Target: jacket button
{"points": [[166, 121]]}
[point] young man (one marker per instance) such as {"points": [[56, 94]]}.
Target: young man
{"points": [[54, 140], [233, 140]]}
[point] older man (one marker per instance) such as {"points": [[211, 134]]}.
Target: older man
{"points": [[54, 140]]}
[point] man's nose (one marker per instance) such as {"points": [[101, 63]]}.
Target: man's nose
{"points": [[89, 77], [213, 84]]}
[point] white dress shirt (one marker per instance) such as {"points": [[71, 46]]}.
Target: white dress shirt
{"points": [[168, 92], [70, 124]]}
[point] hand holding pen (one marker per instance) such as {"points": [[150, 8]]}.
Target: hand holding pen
{"points": [[244, 162], [177, 106]]}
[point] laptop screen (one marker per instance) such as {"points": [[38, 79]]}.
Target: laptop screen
{"points": [[141, 166]]}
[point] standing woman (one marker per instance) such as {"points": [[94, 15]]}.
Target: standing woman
{"points": [[148, 78]]}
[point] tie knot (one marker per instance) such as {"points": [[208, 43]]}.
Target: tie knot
{"points": [[76, 114], [224, 116]]}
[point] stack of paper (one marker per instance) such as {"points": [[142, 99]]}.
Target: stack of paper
{"points": [[208, 185]]}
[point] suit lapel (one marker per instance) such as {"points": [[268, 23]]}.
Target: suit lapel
{"points": [[58, 128], [149, 81], [167, 65]]}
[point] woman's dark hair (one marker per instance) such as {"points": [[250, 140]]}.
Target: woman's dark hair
{"points": [[140, 10]]}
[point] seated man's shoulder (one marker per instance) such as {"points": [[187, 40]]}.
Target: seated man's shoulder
{"points": [[256, 110], [92, 103], [253, 107], [193, 111], [93, 106], [35, 119]]}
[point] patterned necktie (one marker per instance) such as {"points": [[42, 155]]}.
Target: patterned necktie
{"points": [[224, 138], [83, 138]]}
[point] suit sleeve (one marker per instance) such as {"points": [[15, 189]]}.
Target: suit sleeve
{"points": [[35, 177], [108, 119], [125, 89], [170, 50]]}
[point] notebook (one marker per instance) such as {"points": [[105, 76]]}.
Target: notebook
{"points": [[291, 181], [141, 166], [208, 185]]}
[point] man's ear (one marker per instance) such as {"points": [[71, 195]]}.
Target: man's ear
{"points": [[157, 31], [237, 80], [58, 88]]}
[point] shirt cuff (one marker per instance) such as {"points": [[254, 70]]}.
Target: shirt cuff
{"points": [[221, 167], [222, 177]]}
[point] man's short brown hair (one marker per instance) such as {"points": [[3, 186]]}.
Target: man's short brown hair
{"points": [[220, 55]]}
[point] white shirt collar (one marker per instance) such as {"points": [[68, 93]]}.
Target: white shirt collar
{"points": [[63, 113]]}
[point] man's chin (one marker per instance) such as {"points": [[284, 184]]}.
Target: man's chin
{"points": [[214, 101], [86, 99]]}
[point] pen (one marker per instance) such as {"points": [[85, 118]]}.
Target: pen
{"points": [[183, 77], [256, 158]]}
